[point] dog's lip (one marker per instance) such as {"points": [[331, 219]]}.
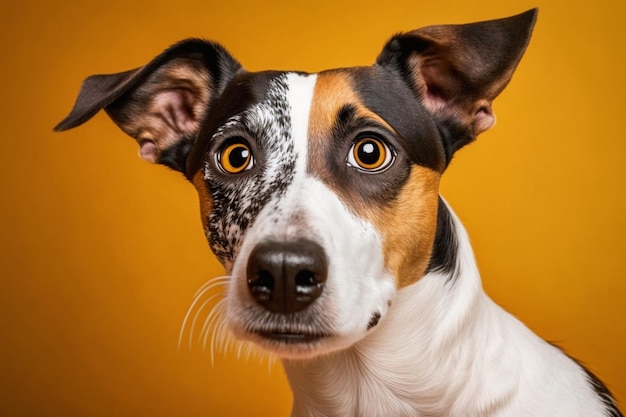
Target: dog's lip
{"points": [[291, 337]]}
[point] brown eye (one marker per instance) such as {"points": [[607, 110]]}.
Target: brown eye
{"points": [[370, 154], [235, 157]]}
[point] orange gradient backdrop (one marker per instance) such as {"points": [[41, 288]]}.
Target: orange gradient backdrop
{"points": [[101, 253]]}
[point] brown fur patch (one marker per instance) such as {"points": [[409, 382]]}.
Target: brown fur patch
{"points": [[408, 225], [206, 202]]}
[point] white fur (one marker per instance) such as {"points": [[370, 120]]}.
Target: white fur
{"points": [[444, 349]]}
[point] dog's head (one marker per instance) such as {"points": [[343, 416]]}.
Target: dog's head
{"points": [[319, 192]]}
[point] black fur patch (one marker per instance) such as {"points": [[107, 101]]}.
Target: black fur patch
{"points": [[373, 321], [445, 247], [175, 157], [603, 393]]}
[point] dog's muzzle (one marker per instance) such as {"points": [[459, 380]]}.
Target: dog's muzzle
{"points": [[286, 277]]}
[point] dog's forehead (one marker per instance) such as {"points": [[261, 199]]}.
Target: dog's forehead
{"points": [[375, 94]]}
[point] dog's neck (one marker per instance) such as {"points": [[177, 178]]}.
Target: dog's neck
{"points": [[418, 356]]}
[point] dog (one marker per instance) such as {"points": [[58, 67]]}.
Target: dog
{"points": [[319, 195]]}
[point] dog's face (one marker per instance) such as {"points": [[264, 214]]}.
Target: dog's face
{"points": [[312, 174], [318, 192]]}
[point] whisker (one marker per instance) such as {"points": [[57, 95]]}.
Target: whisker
{"points": [[214, 336], [214, 331], [271, 362], [212, 283], [195, 319], [212, 317], [238, 350], [220, 333], [204, 289]]}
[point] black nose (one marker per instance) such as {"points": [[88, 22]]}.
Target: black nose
{"points": [[285, 277]]}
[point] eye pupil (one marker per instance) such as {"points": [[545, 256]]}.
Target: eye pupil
{"points": [[368, 153], [239, 156]]}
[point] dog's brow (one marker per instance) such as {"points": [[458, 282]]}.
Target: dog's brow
{"points": [[351, 118], [360, 117]]}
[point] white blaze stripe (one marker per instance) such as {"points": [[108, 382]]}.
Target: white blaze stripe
{"points": [[300, 99]]}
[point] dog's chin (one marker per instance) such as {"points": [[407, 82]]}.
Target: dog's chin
{"points": [[293, 345]]}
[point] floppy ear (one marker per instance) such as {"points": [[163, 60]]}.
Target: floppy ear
{"points": [[457, 70], [161, 104]]}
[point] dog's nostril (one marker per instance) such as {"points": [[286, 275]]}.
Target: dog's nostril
{"points": [[261, 285], [305, 279], [308, 286], [286, 277]]}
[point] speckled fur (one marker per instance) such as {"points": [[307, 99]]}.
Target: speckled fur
{"points": [[269, 123]]}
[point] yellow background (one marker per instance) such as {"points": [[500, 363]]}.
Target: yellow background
{"points": [[101, 253]]}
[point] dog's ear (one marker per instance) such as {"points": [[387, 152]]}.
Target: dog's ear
{"points": [[161, 105], [457, 70]]}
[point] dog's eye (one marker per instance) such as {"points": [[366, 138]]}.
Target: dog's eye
{"points": [[235, 157], [370, 154]]}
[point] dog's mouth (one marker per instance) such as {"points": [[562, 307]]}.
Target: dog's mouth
{"points": [[290, 341], [291, 337], [291, 344]]}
